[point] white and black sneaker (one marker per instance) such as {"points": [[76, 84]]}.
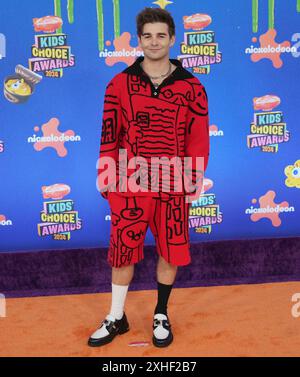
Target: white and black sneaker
{"points": [[162, 333], [107, 331]]}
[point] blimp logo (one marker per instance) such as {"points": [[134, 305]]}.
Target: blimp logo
{"points": [[266, 103]]}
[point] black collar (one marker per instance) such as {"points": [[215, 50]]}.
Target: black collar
{"points": [[178, 74]]}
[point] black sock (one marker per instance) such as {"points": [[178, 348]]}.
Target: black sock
{"points": [[163, 293]]}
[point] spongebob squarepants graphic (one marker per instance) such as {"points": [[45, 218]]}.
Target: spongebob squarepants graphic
{"points": [[293, 175]]}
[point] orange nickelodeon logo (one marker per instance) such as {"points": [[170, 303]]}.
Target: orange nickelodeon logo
{"points": [[197, 21], [48, 24], [266, 103], [56, 191]]}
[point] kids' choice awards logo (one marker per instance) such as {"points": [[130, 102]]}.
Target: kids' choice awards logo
{"points": [[58, 218], [50, 53], [205, 212], [268, 129], [199, 49]]}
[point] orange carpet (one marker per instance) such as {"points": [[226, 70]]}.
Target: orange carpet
{"points": [[241, 320]]}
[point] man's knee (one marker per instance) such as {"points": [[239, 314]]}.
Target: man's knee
{"points": [[166, 265], [122, 275]]}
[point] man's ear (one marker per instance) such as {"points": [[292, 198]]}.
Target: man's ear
{"points": [[139, 41], [173, 40]]}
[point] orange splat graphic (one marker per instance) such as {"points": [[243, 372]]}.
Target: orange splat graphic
{"points": [[269, 39], [123, 41], [49, 129], [2, 218], [265, 201]]}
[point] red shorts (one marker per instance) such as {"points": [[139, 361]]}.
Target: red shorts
{"points": [[130, 218]]}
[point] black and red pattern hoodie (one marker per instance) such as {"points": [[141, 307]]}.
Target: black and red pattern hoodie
{"points": [[144, 121]]}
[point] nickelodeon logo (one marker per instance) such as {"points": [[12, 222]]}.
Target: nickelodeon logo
{"points": [[52, 137], [214, 131], [268, 209], [4, 221]]}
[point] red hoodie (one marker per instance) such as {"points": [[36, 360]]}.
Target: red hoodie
{"points": [[169, 121]]}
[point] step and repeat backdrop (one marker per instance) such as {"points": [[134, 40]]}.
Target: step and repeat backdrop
{"points": [[56, 58]]}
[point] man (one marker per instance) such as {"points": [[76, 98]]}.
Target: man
{"points": [[153, 108]]}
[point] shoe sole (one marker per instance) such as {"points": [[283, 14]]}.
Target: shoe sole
{"points": [[107, 341], [162, 344]]}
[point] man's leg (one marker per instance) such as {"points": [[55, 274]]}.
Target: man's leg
{"points": [[121, 278], [166, 274], [122, 275], [171, 229], [116, 321]]}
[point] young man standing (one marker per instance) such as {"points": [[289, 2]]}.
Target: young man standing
{"points": [[154, 108]]}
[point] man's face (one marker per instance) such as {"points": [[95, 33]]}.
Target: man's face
{"points": [[155, 40]]}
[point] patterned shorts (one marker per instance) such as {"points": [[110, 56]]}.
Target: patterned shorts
{"points": [[130, 217]]}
